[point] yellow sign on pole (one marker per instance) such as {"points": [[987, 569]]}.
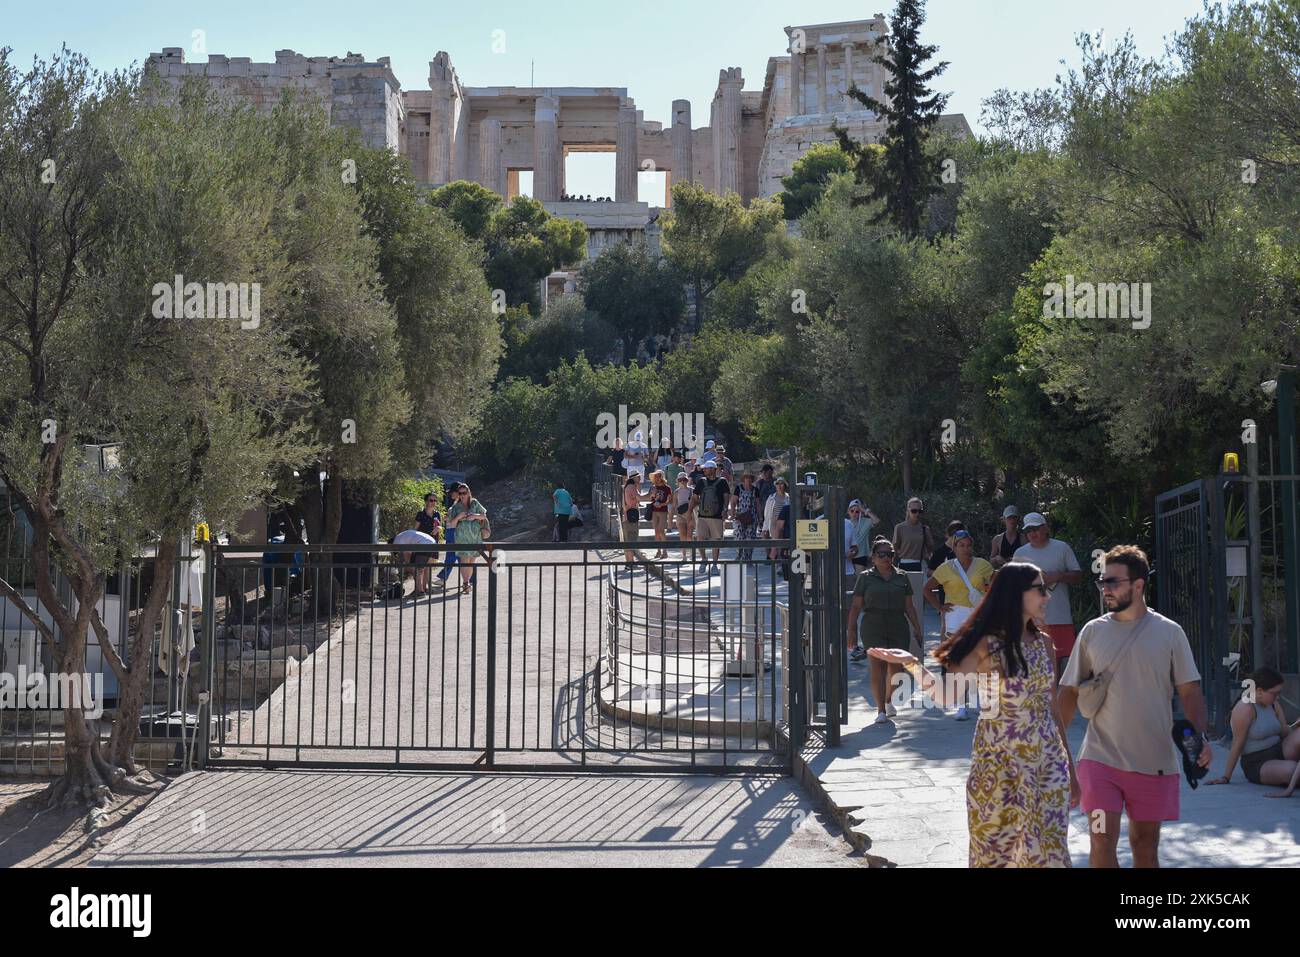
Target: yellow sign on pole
{"points": [[814, 534]]}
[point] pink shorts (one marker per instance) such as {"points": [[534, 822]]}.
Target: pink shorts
{"points": [[1062, 639], [1146, 797]]}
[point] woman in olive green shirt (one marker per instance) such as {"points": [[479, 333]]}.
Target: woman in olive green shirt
{"points": [[883, 595]]}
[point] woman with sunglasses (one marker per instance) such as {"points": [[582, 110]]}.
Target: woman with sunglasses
{"points": [[955, 590], [913, 539], [470, 519], [862, 520], [1022, 780], [883, 595]]}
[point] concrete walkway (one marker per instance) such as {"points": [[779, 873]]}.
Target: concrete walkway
{"points": [[899, 789], [363, 819]]}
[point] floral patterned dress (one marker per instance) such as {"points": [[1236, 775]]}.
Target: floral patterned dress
{"points": [[1018, 792]]}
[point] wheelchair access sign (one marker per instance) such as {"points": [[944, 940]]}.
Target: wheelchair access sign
{"points": [[814, 534]]}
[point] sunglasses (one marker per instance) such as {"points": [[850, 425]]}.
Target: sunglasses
{"points": [[916, 511], [1040, 588], [885, 554], [1104, 583], [960, 535]]}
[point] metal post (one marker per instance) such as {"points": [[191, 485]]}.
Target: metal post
{"points": [[833, 632], [491, 696], [1255, 567], [207, 647], [1286, 425], [796, 688], [1217, 636]]}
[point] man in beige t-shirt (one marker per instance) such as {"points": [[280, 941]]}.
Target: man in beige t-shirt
{"points": [[1128, 761]]}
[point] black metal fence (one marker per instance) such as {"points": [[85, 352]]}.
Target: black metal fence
{"points": [[556, 655]]}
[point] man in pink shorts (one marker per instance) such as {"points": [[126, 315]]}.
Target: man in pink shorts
{"points": [[1128, 762]]}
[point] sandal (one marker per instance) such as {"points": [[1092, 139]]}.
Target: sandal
{"points": [[466, 588]]}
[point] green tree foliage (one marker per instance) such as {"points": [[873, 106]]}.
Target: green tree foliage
{"points": [[205, 410], [809, 177], [713, 239], [565, 329], [522, 242], [636, 293], [551, 430], [907, 174], [471, 205]]}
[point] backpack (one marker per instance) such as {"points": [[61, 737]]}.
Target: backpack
{"points": [[711, 499]]}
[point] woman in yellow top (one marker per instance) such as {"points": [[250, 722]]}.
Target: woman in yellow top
{"points": [[965, 581]]}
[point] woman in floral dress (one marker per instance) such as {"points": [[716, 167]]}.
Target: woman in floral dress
{"points": [[1022, 782], [745, 510]]}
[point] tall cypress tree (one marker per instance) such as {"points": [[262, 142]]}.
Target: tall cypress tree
{"points": [[905, 177]]}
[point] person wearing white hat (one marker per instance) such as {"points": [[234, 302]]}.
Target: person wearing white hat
{"points": [[1060, 568], [634, 456], [1005, 543]]}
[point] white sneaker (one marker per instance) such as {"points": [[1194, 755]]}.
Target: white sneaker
{"points": [[882, 718], [891, 711], [963, 713]]}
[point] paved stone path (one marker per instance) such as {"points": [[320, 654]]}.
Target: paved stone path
{"points": [[900, 788], [407, 819]]}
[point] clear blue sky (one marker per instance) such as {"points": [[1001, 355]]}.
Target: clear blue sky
{"points": [[660, 51]]}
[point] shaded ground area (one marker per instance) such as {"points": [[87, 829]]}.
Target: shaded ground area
{"points": [[31, 836], [390, 819]]}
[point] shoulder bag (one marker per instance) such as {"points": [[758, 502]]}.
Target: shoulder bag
{"points": [[1092, 690]]}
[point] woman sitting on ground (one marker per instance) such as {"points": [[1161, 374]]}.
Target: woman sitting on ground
{"points": [[1268, 747]]}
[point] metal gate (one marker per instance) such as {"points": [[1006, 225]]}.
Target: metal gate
{"points": [[558, 656], [1226, 570], [1189, 581]]}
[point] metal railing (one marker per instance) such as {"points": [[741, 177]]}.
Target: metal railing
{"points": [[556, 656]]}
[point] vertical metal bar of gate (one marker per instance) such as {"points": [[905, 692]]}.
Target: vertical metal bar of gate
{"points": [[207, 657], [491, 695], [1216, 635]]}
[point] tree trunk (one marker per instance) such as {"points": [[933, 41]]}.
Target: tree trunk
{"points": [[907, 467], [333, 508], [699, 306], [130, 702], [87, 777]]}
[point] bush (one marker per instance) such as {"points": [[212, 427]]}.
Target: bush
{"points": [[399, 502]]}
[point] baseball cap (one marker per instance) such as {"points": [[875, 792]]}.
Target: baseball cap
{"points": [[857, 502], [708, 445], [1034, 519], [1011, 512], [709, 463], [683, 477]]}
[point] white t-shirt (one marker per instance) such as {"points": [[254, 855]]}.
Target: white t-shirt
{"points": [[1133, 731], [413, 537], [634, 456], [1053, 558]]}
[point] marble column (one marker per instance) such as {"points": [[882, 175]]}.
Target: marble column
{"points": [[489, 141], [683, 161], [796, 83], [442, 117], [821, 78], [729, 83], [849, 102], [546, 149], [626, 160]]}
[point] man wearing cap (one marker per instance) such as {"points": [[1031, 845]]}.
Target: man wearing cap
{"points": [[1060, 571], [710, 503], [725, 466], [1006, 543]]}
